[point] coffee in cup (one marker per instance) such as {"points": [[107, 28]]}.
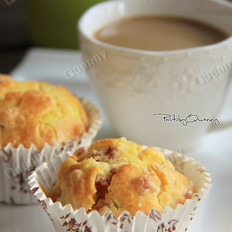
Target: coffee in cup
{"points": [[160, 33]]}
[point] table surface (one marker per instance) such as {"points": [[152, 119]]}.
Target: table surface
{"points": [[215, 152]]}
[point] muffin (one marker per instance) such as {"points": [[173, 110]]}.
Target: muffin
{"points": [[118, 185], [118, 175], [37, 113], [37, 121]]}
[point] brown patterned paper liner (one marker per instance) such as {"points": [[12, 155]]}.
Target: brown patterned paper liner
{"points": [[16, 164], [64, 218]]}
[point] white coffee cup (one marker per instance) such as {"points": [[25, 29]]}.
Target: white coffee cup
{"points": [[151, 97]]}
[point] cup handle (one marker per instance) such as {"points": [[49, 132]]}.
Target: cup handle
{"points": [[223, 126]]}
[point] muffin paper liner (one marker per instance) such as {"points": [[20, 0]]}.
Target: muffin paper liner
{"points": [[64, 218], [16, 164]]}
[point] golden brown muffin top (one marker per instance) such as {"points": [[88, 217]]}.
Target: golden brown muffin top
{"points": [[119, 175], [37, 113]]}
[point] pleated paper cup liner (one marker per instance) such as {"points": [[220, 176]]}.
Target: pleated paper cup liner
{"points": [[64, 218], [16, 164]]}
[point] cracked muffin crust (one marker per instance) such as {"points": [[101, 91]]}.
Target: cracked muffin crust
{"points": [[37, 113], [119, 175]]}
